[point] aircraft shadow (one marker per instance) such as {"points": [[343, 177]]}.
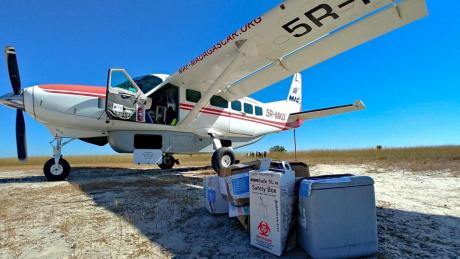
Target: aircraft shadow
{"points": [[97, 172], [25, 179], [167, 207]]}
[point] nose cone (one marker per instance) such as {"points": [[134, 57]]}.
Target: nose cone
{"points": [[12, 100], [28, 99]]}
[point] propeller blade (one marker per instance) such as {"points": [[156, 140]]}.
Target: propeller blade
{"points": [[21, 135], [13, 69]]}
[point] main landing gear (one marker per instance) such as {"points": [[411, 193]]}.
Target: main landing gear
{"points": [[223, 157], [168, 162], [57, 168]]}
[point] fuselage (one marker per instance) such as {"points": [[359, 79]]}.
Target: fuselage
{"points": [[77, 111]]}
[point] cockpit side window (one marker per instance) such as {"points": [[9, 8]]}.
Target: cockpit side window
{"points": [[119, 79], [148, 82]]}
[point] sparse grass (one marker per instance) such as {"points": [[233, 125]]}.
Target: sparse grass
{"points": [[65, 226], [416, 158], [73, 160], [102, 161], [126, 214]]}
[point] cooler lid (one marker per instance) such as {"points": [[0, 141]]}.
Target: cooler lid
{"points": [[334, 181]]}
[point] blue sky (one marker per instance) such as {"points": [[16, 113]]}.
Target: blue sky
{"points": [[409, 79]]}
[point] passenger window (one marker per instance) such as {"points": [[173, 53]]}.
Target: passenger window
{"points": [[192, 95], [259, 111], [236, 105], [219, 102], [248, 108]]}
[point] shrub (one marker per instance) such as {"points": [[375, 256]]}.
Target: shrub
{"points": [[279, 149]]}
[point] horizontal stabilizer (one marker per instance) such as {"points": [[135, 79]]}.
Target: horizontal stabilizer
{"points": [[319, 113]]}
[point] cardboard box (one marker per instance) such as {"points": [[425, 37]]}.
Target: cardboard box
{"points": [[244, 221], [238, 186], [214, 201], [236, 211], [272, 199], [238, 202], [238, 169], [234, 182], [223, 186], [300, 169]]}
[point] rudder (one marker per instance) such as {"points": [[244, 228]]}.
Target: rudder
{"points": [[294, 99]]}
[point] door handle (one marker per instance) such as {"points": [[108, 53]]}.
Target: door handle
{"points": [[125, 96]]}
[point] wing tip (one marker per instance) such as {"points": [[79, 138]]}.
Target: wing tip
{"points": [[360, 105]]}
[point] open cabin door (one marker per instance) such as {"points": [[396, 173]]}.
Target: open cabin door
{"points": [[124, 100]]}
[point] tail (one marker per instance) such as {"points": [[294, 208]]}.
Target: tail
{"points": [[294, 99]]}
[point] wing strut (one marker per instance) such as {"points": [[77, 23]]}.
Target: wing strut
{"points": [[216, 86]]}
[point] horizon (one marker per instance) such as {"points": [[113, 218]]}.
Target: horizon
{"points": [[246, 152], [407, 78]]}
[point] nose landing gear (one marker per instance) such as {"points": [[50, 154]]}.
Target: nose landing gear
{"points": [[56, 172], [57, 168]]}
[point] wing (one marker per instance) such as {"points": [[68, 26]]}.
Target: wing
{"points": [[314, 114], [292, 37]]}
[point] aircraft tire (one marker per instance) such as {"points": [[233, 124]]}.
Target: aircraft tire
{"points": [[167, 162], [222, 158], [58, 172]]}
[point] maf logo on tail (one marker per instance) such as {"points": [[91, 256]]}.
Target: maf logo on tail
{"points": [[293, 97]]}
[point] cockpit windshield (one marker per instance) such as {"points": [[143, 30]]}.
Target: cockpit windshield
{"points": [[147, 83]]}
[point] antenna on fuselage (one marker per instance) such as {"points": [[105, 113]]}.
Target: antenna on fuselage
{"points": [[295, 147]]}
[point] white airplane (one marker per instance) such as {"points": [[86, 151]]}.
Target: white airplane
{"points": [[203, 107]]}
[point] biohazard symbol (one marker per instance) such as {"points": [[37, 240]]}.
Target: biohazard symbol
{"points": [[264, 228]]}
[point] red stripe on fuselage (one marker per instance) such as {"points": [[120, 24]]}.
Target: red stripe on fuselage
{"points": [[82, 90], [100, 92], [276, 124], [236, 114], [225, 114]]}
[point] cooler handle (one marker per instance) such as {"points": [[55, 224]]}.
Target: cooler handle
{"points": [[286, 166]]}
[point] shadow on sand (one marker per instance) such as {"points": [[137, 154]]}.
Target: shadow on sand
{"points": [[167, 207]]}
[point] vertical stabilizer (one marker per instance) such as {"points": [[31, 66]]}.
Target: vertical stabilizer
{"points": [[294, 99]]}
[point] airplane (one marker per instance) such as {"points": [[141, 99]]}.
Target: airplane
{"points": [[203, 107]]}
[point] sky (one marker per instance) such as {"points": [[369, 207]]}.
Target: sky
{"points": [[408, 79]]}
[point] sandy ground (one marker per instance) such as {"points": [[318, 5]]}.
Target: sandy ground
{"points": [[116, 212]]}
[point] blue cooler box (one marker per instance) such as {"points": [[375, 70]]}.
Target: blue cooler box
{"points": [[337, 216]]}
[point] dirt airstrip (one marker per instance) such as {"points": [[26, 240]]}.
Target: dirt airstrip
{"points": [[122, 212]]}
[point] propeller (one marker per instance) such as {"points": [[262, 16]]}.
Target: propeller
{"points": [[13, 69], [15, 79]]}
